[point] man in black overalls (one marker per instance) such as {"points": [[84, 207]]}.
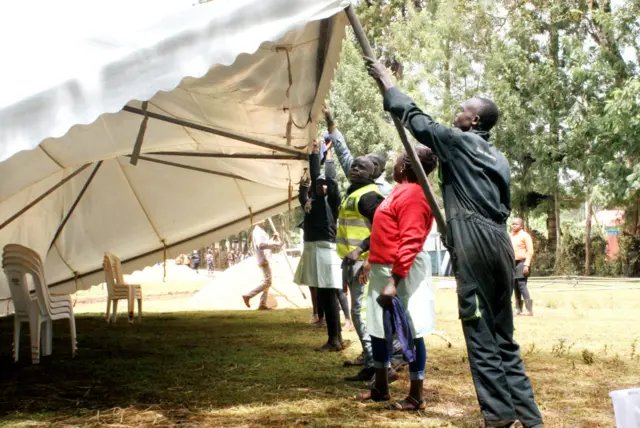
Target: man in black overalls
{"points": [[477, 202]]}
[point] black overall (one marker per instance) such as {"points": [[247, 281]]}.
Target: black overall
{"points": [[477, 201]]}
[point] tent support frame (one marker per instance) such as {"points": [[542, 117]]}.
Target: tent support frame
{"points": [[209, 130], [44, 195], [191, 168], [230, 155], [175, 244], [75, 203]]}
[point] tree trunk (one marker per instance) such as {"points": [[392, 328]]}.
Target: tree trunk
{"points": [[551, 224], [558, 237], [587, 238]]}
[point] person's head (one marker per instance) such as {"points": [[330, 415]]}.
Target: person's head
{"points": [[321, 185], [195, 251], [378, 164], [361, 169], [259, 223], [403, 171], [516, 225], [477, 113]]}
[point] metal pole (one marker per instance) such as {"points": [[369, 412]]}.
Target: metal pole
{"points": [[75, 203], [44, 195], [413, 157], [210, 130]]}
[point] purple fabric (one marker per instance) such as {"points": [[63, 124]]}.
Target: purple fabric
{"points": [[396, 322]]}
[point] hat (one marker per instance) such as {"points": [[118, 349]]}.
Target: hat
{"points": [[327, 136]]}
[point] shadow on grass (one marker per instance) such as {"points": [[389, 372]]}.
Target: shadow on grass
{"points": [[182, 361], [259, 369]]}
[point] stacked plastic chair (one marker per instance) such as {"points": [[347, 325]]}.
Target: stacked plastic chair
{"points": [[118, 289], [39, 309]]}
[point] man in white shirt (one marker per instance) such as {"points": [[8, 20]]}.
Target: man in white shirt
{"points": [[262, 243]]}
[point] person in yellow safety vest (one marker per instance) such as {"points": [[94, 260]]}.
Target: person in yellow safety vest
{"points": [[352, 241]]}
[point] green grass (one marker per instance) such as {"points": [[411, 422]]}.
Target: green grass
{"points": [[248, 368]]}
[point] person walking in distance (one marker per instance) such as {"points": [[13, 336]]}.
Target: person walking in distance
{"points": [[477, 201], [523, 249], [209, 261], [195, 260], [261, 244]]}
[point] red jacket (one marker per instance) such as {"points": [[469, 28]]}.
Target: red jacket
{"points": [[400, 228]]}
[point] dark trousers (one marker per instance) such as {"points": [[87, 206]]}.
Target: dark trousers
{"points": [[520, 287], [483, 264], [328, 299], [317, 308]]}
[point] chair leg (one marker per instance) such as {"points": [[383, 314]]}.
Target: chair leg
{"points": [[17, 325], [130, 303], [140, 309], [72, 330], [114, 314], [46, 338], [35, 327], [108, 309]]}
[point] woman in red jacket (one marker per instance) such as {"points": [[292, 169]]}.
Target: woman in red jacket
{"points": [[400, 266]]}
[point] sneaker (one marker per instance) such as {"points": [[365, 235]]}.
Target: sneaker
{"points": [[319, 324], [364, 375], [330, 347], [313, 319], [246, 301], [357, 361]]}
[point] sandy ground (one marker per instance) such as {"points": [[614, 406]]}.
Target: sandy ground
{"points": [[186, 290]]}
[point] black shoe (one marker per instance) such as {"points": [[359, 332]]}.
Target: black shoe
{"points": [[363, 375]]}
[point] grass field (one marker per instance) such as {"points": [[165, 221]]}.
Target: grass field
{"points": [[245, 368]]}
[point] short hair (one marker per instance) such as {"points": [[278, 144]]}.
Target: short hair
{"points": [[380, 160], [488, 112], [428, 160]]}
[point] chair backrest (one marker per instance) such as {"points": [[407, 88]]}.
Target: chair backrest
{"points": [[117, 269], [109, 274], [29, 263], [18, 286]]}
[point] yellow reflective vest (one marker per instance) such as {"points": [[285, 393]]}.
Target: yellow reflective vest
{"points": [[353, 227]]}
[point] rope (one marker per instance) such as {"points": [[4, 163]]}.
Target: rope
{"points": [[75, 296], [290, 75], [164, 276], [290, 190]]}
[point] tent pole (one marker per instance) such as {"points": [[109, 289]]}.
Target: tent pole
{"points": [[230, 155], [210, 130], [413, 157], [140, 138], [44, 195], [191, 168], [75, 203]]}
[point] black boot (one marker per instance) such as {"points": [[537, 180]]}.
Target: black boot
{"points": [[529, 304]]}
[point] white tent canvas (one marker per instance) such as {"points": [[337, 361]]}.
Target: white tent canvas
{"points": [[239, 83]]}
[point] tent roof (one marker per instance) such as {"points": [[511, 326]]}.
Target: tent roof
{"points": [[220, 101]]}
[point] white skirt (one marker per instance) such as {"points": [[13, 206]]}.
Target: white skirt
{"points": [[415, 292], [319, 266]]}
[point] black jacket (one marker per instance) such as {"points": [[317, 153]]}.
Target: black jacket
{"points": [[321, 222]]}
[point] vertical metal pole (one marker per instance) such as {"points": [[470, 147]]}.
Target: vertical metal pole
{"points": [[413, 157]]}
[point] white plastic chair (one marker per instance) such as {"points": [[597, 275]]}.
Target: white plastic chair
{"points": [[20, 263], [118, 289]]}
